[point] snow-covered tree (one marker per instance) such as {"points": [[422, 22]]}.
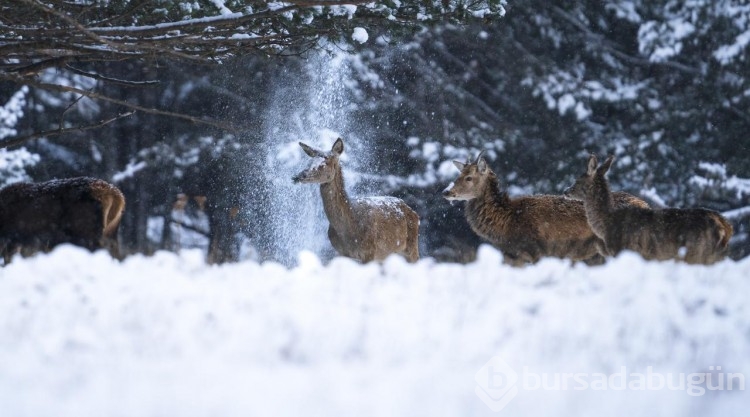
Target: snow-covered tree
{"points": [[13, 163], [662, 85]]}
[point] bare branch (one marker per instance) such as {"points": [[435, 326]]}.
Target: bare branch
{"points": [[93, 95], [38, 31], [70, 106], [36, 35], [190, 227], [111, 80], [61, 130]]}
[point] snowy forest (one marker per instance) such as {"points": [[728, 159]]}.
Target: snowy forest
{"points": [[229, 298], [198, 123]]}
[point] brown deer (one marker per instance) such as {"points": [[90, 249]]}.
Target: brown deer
{"points": [[697, 236], [368, 228], [38, 216], [526, 228]]}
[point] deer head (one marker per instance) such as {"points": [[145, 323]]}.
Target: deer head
{"points": [[584, 185], [324, 165], [470, 182]]}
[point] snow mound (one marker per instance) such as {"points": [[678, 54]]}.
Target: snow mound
{"points": [[82, 334], [360, 35]]}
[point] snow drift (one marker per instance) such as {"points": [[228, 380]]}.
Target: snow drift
{"points": [[168, 335]]}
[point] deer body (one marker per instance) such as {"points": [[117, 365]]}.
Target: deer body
{"points": [[697, 236], [39, 216], [529, 227], [366, 229]]}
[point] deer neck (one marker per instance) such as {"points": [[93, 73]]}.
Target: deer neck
{"points": [[491, 200], [491, 194], [336, 204], [599, 206]]}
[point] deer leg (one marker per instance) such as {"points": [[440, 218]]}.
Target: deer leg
{"points": [[6, 249], [412, 242], [512, 259], [111, 245], [600, 247], [597, 259]]}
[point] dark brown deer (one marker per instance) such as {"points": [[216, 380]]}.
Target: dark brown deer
{"points": [[39, 216], [697, 236], [368, 228], [526, 228]]}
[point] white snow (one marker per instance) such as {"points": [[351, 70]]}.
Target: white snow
{"points": [[726, 54], [181, 23], [12, 112], [737, 213], [387, 205], [717, 177], [653, 195], [360, 35], [130, 170], [317, 163], [347, 10], [661, 41], [716, 169], [168, 335], [447, 170], [223, 9], [13, 165], [431, 151]]}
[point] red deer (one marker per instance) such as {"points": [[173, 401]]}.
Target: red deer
{"points": [[38, 216], [697, 236], [526, 228], [368, 228]]}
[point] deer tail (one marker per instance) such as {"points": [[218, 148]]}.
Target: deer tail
{"points": [[113, 204], [725, 230], [412, 237]]}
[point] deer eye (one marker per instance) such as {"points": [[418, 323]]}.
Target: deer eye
{"points": [[469, 179]]}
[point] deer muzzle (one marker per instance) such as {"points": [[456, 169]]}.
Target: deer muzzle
{"points": [[449, 193], [302, 177]]}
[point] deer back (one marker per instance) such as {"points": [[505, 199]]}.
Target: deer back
{"points": [[694, 235], [384, 225], [40, 216], [529, 227]]}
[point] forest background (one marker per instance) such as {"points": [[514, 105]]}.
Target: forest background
{"points": [[194, 109]]}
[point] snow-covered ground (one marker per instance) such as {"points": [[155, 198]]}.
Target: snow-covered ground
{"points": [[168, 335]]}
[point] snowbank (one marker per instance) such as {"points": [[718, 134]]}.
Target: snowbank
{"points": [[83, 335]]}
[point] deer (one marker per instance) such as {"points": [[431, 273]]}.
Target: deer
{"points": [[692, 235], [366, 228], [83, 211], [526, 228]]}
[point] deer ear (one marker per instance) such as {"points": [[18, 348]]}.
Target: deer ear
{"points": [[606, 164], [459, 165], [338, 147], [482, 165], [592, 165], [308, 150]]}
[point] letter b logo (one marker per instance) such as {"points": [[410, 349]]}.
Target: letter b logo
{"points": [[496, 384]]}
